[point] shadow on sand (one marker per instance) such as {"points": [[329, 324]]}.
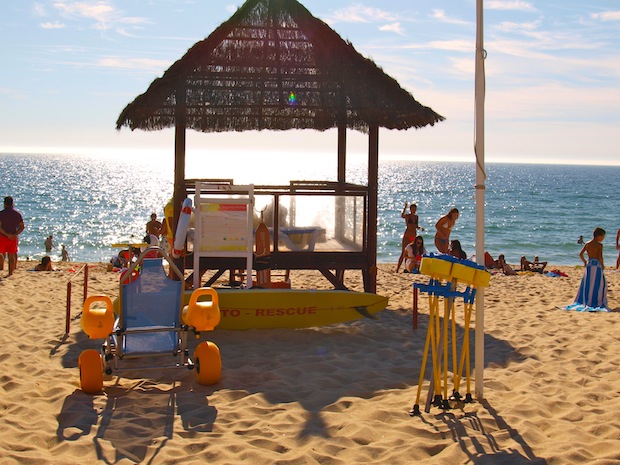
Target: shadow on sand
{"points": [[309, 367]]}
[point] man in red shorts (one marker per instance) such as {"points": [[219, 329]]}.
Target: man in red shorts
{"points": [[11, 225]]}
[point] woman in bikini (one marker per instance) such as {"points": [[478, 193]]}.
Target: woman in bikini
{"points": [[411, 231], [444, 228]]}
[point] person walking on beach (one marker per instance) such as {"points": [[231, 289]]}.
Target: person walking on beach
{"points": [[444, 228], [592, 293], [411, 231], [11, 226]]}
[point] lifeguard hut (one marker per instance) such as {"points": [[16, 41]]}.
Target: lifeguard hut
{"points": [[274, 66]]}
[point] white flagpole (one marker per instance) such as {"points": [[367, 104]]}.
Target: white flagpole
{"points": [[480, 188]]}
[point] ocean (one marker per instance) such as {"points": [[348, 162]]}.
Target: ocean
{"points": [[90, 202]]}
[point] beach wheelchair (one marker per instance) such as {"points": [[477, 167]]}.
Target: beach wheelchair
{"points": [[150, 322]]}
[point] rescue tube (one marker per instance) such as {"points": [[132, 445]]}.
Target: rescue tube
{"points": [[182, 227]]}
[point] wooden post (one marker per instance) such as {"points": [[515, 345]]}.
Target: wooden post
{"points": [[342, 154], [179, 164], [85, 282], [370, 276], [415, 308], [339, 228], [68, 314]]}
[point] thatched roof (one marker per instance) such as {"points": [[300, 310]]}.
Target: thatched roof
{"points": [[273, 65]]}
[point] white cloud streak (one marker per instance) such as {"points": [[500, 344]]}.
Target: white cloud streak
{"points": [[393, 27], [54, 25], [104, 15], [142, 64], [440, 15], [518, 5], [360, 14], [607, 16]]}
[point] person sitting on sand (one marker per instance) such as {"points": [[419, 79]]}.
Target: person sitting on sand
{"points": [[505, 267], [536, 266], [489, 262], [456, 250], [413, 255], [45, 265]]}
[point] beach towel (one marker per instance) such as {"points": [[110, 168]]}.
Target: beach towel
{"points": [[592, 293]]}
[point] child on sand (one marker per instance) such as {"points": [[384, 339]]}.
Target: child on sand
{"points": [[592, 293]]}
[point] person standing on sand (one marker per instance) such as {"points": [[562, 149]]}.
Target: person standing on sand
{"points": [[592, 293], [444, 228], [154, 227], [411, 231], [11, 226]]}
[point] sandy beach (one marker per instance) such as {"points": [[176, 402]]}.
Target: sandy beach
{"points": [[332, 395]]}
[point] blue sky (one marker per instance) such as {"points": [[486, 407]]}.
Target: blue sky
{"points": [[553, 75]]}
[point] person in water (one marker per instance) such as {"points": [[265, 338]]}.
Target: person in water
{"points": [[411, 231], [444, 228]]}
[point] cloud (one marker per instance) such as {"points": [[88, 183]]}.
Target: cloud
{"points": [[607, 16], [54, 25], [519, 5], [39, 9], [441, 16], [232, 8], [104, 15], [359, 14], [143, 64], [393, 27], [509, 26], [101, 12]]}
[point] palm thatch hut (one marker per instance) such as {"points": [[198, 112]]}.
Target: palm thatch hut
{"points": [[274, 66]]}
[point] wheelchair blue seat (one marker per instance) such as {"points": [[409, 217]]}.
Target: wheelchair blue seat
{"points": [[150, 309]]}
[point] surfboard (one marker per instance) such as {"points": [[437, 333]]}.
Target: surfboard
{"points": [[243, 309]]}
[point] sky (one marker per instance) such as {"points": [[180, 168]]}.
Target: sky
{"points": [[552, 75]]}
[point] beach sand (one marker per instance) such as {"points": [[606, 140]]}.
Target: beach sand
{"points": [[333, 395]]}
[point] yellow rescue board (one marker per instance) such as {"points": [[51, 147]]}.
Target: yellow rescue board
{"points": [[292, 308]]}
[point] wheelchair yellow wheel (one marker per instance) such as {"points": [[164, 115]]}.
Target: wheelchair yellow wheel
{"points": [[91, 371], [207, 363]]}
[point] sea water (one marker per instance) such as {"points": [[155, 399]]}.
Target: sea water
{"points": [[89, 203]]}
